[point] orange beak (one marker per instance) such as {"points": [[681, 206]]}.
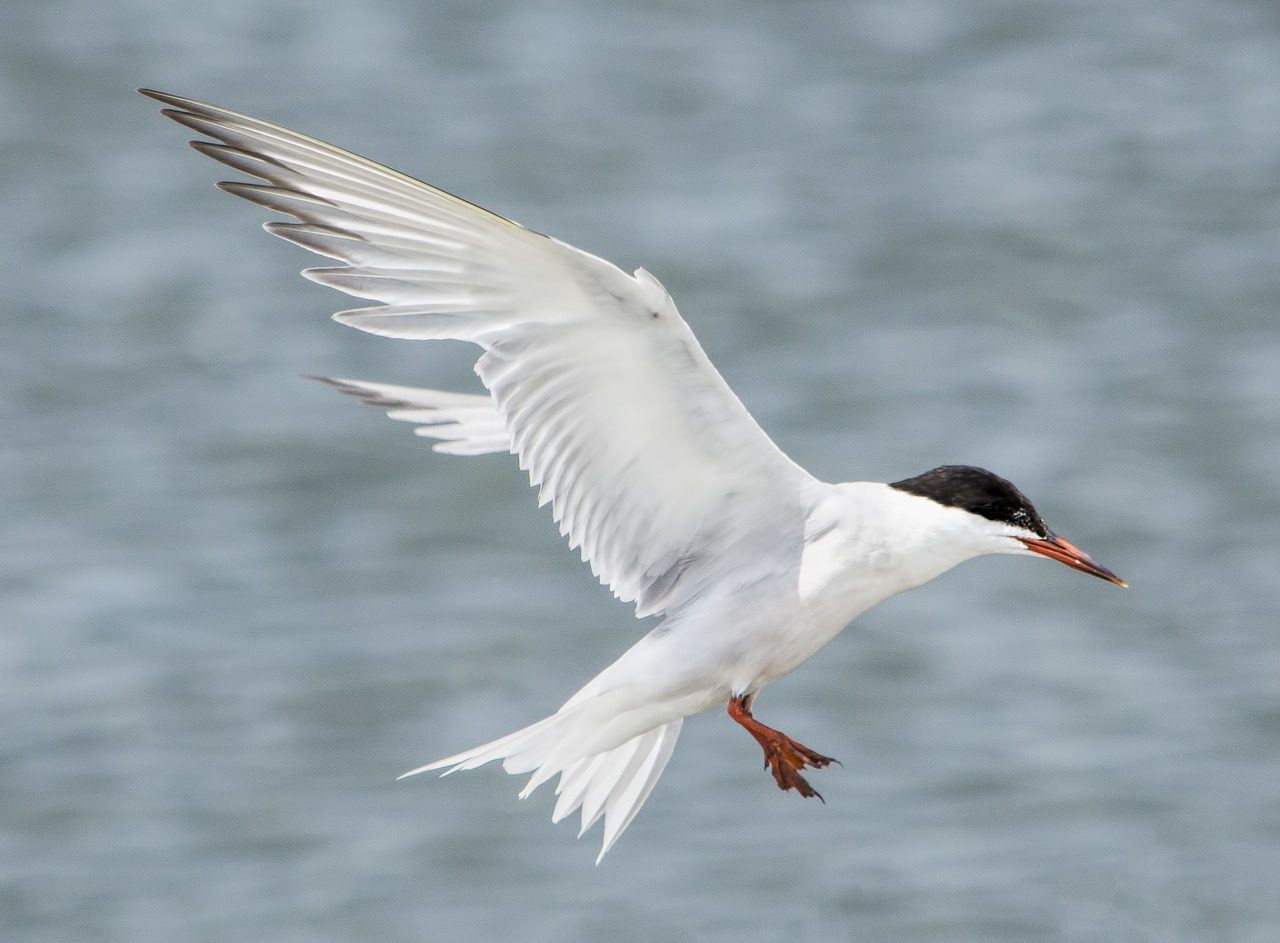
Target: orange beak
{"points": [[1055, 548]]}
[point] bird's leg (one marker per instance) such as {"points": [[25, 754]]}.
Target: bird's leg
{"points": [[783, 756]]}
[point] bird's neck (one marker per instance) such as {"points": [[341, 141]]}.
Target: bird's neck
{"points": [[878, 541]]}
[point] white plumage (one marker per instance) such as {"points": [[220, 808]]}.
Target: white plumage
{"points": [[652, 466]]}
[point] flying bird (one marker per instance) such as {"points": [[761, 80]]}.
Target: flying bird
{"points": [[653, 468]]}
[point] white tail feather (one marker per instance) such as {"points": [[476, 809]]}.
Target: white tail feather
{"points": [[613, 782]]}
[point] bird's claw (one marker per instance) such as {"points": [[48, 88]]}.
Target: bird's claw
{"points": [[784, 758]]}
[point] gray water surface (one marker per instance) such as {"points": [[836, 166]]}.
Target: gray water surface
{"points": [[1041, 238]]}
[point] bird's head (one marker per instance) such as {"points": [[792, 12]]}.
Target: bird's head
{"points": [[1006, 521]]}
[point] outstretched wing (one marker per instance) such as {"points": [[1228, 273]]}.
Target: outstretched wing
{"points": [[650, 462]]}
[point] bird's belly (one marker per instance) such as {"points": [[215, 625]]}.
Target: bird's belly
{"points": [[780, 648], [762, 637], [717, 648]]}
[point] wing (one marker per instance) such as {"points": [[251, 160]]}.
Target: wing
{"points": [[650, 462], [465, 423]]}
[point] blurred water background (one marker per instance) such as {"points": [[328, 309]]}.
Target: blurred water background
{"points": [[1042, 238]]}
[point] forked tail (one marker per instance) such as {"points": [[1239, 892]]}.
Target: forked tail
{"points": [[597, 776]]}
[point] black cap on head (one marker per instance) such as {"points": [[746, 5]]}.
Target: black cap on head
{"points": [[977, 491]]}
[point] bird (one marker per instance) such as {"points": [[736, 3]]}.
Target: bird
{"points": [[654, 470]]}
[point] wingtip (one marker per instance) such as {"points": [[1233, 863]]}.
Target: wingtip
{"points": [[338, 383], [422, 769], [361, 391], [165, 98], [341, 384]]}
